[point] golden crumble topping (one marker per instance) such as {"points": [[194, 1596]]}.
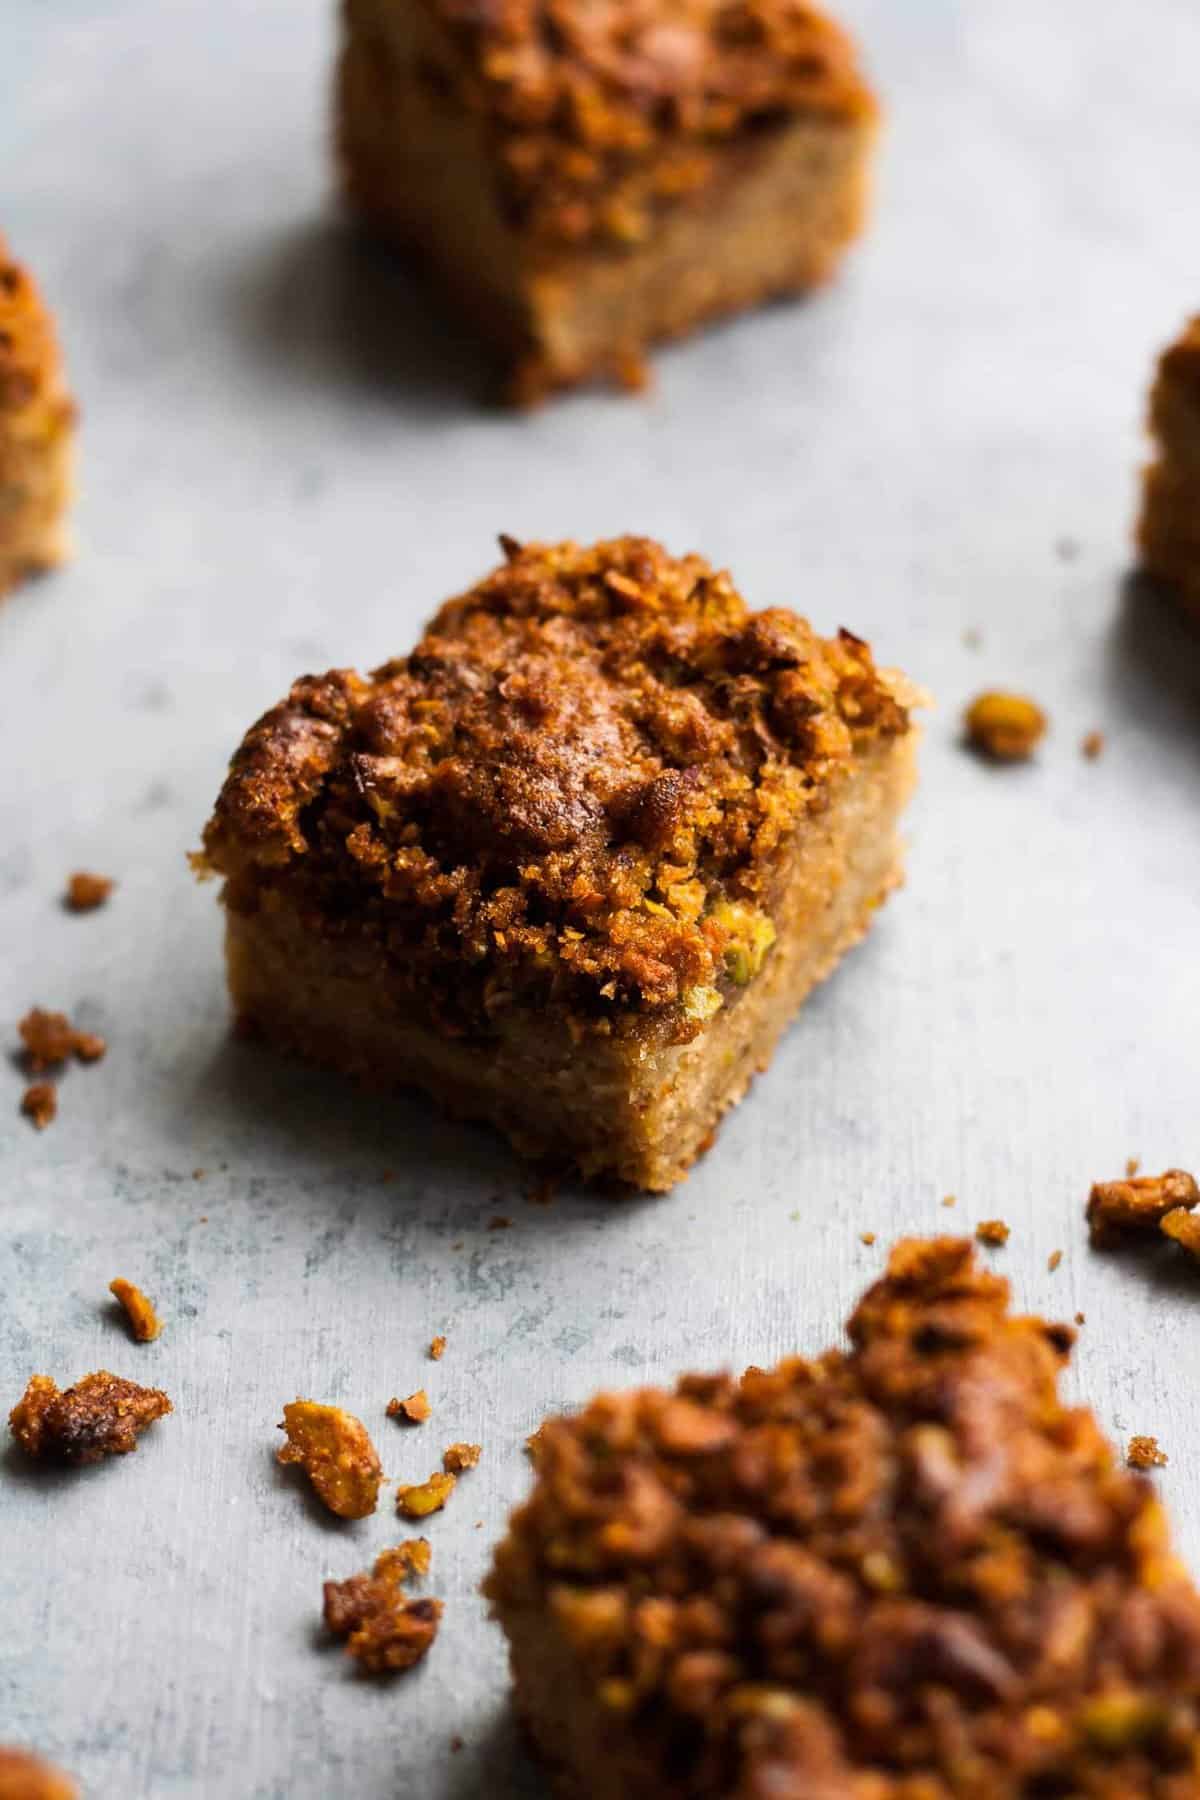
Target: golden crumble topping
{"points": [[902, 1572], [102, 1415], [336, 1453], [85, 892], [1116, 1209], [579, 788], [144, 1323], [384, 1630]]}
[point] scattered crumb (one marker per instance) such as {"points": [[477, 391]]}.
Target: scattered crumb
{"points": [[1005, 727], [973, 638], [1054, 1259], [1116, 1208], [437, 1349], [457, 1244], [415, 1410], [950, 1200], [101, 1415], [1066, 549], [992, 1231], [199, 1174], [1132, 1165], [204, 1218], [498, 1222], [86, 892], [144, 1322], [423, 1498], [40, 1103], [50, 1038], [336, 1453], [867, 1237], [1081, 1318], [1093, 745], [385, 1631], [1184, 1227], [1144, 1453], [461, 1456]]}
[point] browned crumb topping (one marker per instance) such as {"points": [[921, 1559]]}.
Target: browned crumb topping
{"points": [[992, 1231], [1093, 745], [39, 1102], [1116, 1208], [600, 116], [102, 1415], [24, 1776], [1006, 727], [437, 1349], [461, 1456], [384, 1630], [902, 1572], [86, 892], [144, 1322], [1053, 1260], [336, 1453], [415, 1410], [50, 1038], [580, 787], [1144, 1453], [423, 1498], [1183, 1227]]}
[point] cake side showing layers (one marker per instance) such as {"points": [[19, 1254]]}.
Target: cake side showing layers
{"points": [[1169, 528], [588, 180], [573, 863], [902, 1572], [36, 429]]}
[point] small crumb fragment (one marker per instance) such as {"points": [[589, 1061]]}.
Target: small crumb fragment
{"points": [[1006, 727], [50, 1038], [499, 1222], [437, 1349], [199, 1174], [950, 1200], [24, 1776], [423, 1498], [461, 1456], [1054, 1259], [144, 1322], [867, 1237], [1132, 1165], [415, 1410], [40, 1103], [1116, 1208], [1081, 1318], [1093, 745], [973, 638], [336, 1453], [992, 1231], [102, 1415], [85, 892], [385, 1631], [1184, 1227], [1144, 1453]]}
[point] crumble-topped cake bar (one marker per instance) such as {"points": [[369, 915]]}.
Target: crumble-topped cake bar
{"points": [[905, 1571], [1169, 530], [37, 420], [572, 864], [586, 177]]}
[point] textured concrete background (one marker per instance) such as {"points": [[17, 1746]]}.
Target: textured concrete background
{"points": [[284, 466]]}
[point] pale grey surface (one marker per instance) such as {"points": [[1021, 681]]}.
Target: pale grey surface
{"points": [[283, 467]]}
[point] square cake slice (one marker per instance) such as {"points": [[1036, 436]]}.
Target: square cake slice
{"points": [[37, 421], [906, 1571], [573, 863], [585, 177], [1169, 530]]}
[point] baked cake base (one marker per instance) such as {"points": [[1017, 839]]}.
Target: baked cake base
{"points": [[638, 1110]]}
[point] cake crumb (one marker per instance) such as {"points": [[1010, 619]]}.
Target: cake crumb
{"points": [[414, 1410], [499, 1222], [1093, 745], [993, 1232], [1144, 1453], [972, 638], [1066, 549], [867, 1237], [39, 1102], [199, 1174], [950, 1200], [385, 1631], [1183, 1227], [422, 1498], [461, 1456], [1054, 1259], [102, 1415], [1132, 1165], [1140, 1203], [336, 1453], [437, 1349], [85, 892], [144, 1322], [50, 1038], [1005, 727], [1081, 1318]]}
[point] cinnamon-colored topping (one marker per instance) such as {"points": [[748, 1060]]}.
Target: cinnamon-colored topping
{"points": [[1144, 1453], [1116, 1208], [24, 1776], [579, 787], [902, 1572], [461, 1456], [437, 1349], [336, 1453], [39, 1102], [423, 1498], [415, 1410], [102, 1415], [993, 1232], [144, 1322], [601, 116], [1006, 727], [50, 1038], [384, 1630], [86, 892]]}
